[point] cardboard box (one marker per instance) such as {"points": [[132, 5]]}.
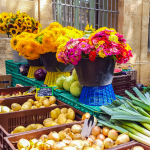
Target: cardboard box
{"points": [[5, 80]]}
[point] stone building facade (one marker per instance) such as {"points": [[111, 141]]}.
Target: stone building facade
{"points": [[133, 23]]}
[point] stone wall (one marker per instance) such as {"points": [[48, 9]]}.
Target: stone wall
{"points": [[5, 53], [133, 24]]}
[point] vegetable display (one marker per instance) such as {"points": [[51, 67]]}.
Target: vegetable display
{"points": [[131, 116], [71, 139], [40, 74], [30, 104], [15, 94], [58, 117], [24, 69], [70, 84]]}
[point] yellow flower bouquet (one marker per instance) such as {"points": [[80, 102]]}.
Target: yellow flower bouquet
{"points": [[31, 46], [15, 24]]}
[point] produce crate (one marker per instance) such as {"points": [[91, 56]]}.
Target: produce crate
{"points": [[27, 117], [14, 89], [121, 78], [13, 67], [20, 100], [10, 143]]}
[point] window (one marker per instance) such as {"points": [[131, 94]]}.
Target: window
{"points": [[79, 13]]}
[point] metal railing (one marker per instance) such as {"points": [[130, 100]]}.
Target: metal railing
{"points": [[79, 13]]}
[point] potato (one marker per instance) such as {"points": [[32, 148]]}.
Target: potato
{"points": [[56, 120], [36, 102], [6, 96], [15, 106], [71, 114], [50, 123], [1, 109], [53, 105], [12, 95], [38, 105], [31, 100], [31, 127], [64, 111], [69, 121], [52, 100], [46, 103], [25, 107], [33, 107], [5, 109], [42, 107], [58, 111], [19, 94], [28, 103], [39, 126], [48, 119], [42, 98], [62, 119], [19, 129], [54, 114]]}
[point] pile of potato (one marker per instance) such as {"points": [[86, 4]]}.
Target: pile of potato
{"points": [[58, 117], [70, 139], [15, 94], [30, 104]]}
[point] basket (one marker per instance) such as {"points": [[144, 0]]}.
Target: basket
{"points": [[121, 78], [133, 74], [32, 69], [27, 117], [124, 86], [51, 77], [9, 141], [97, 96]]}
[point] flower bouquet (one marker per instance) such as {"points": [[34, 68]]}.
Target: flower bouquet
{"points": [[95, 56], [15, 24]]}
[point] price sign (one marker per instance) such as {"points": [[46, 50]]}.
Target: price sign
{"points": [[31, 89], [44, 91]]}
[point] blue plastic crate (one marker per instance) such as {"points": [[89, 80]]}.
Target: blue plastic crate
{"points": [[97, 96]]}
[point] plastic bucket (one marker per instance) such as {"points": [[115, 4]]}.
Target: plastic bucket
{"points": [[97, 73], [17, 58], [36, 62], [52, 65]]}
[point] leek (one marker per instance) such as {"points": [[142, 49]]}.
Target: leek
{"points": [[146, 125], [137, 127], [142, 105], [141, 96], [131, 95], [137, 118], [133, 131]]}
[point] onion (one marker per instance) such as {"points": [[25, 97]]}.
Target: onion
{"points": [[58, 146], [67, 130], [78, 137], [96, 130], [137, 148], [70, 134], [90, 141], [55, 137], [95, 120], [108, 143], [77, 144], [105, 131], [122, 138], [92, 137], [44, 138], [113, 134], [67, 140], [50, 136], [86, 116], [99, 143], [68, 148], [76, 129], [101, 137], [97, 147], [89, 148], [62, 135], [86, 143]]}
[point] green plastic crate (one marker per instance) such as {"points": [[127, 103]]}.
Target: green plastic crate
{"points": [[15, 78], [13, 67]]}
